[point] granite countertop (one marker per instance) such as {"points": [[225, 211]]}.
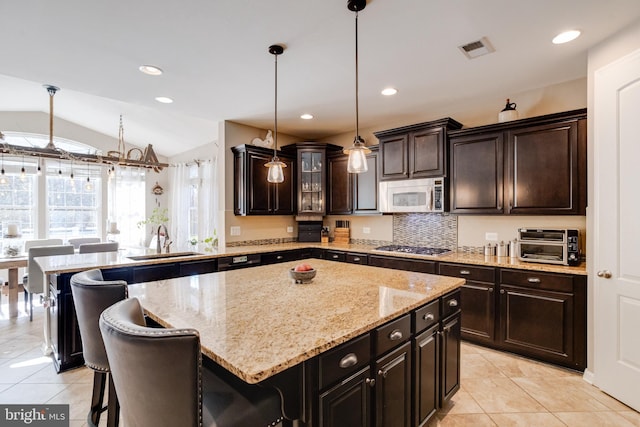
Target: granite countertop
{"points": [[256, 322], [78, 262]]}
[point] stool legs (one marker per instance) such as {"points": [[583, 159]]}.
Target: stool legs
{"points": [[97, 398], [113, 406]]}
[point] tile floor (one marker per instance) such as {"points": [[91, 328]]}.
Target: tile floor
{"points": [[497, 389]]}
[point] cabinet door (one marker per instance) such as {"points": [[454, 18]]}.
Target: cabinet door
{"points": [[478, 311], [543, 176], [426, 153], [477, 174], [339, 187], [258, 189], [311, 181], [348, 403], [365, 187], [450, 357], [393, 388], [284, 194], [537, 323], [426, 375], [393, 150]]}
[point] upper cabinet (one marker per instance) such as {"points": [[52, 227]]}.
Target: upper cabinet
{"points": [[311, 159], [415, 151], [253, 194], [353, 193], [533, 166]]}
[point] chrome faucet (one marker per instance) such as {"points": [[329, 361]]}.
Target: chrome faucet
{"points": [[166, 239]]}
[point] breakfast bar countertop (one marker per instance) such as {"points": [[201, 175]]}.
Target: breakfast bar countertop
{"points": [[256, 322]]}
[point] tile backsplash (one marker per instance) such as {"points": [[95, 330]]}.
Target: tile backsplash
{"points": [[426, 229]]}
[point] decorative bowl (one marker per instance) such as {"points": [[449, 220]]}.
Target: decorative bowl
{"points": [[302, 276]]}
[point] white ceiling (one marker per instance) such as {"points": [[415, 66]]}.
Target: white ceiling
{"points": [[217, 67]]}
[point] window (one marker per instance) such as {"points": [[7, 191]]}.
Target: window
{"points": [[73, 203], [127, 205], [17, 198]]}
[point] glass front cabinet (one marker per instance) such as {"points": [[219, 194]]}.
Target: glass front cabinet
{"points": [[312, 176]]}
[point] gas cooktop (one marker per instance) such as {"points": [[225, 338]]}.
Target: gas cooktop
{"points": [[420, 250]]}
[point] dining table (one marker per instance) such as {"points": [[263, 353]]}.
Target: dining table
{"points": [[12, 264]]}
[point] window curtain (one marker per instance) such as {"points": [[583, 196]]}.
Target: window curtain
{"points": [[193, 210]]}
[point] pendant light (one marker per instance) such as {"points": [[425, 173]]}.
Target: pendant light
{"points": [[275, 174], [357, 162]]}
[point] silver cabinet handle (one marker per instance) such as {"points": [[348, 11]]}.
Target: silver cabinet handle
{"points": [[502, 291], [395, 335], [356, 259], [533, 280], [334, 256], [382, 373], [465, 272], [428, 317], [279, 257], [370, 382], [453, 303], [605, 274], [348, 361]]}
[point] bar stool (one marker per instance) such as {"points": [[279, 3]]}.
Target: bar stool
{"points": [[91, 295], [160, 379], [87, 248]]}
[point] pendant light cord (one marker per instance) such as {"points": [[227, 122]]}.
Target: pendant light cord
{"points": [[357, 139], [275, 136]]}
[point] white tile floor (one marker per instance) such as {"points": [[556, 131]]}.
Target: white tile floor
{"points": [[497, 389]]}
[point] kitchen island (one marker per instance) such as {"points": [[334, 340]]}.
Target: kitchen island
{"points": [[309, 340]]}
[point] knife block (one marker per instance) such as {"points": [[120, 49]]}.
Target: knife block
{"points": [[341, 235]]}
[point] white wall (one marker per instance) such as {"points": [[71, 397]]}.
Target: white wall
{"points": [[622, 43]]}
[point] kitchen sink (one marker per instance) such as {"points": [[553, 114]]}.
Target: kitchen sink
{"points": [[161, 256]]}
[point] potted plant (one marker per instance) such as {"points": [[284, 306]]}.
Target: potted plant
{"points": [[158, 217]]}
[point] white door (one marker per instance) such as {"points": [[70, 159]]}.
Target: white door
{"points": [[617, 229]]}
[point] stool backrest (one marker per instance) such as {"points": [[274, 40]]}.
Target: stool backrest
{"points": [[40, 242], [156, 372], [86, 248], [91, 296], [35, 284], [77, 241]]}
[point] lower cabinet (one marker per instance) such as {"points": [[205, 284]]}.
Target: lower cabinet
{"points": [[410, 368]]}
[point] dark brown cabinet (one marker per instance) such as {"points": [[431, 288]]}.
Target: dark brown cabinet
{"points": [[393, 388], [347, 403], [532, 166], [543, 315], [340, 185], [478, 321], [253, 194], [415, 151], [352, 193], [450, 369]]}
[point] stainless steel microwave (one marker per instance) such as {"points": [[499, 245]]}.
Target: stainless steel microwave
{"points": [[550, 246], [412, 195]]}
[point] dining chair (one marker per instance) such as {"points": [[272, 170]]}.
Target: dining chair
{"points": [[87, 248], [33, 282], [160, 379], [30, 244], [77, 241], [91, 296]]}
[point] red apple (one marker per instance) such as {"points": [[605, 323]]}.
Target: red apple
{"points": [[303, 267]]}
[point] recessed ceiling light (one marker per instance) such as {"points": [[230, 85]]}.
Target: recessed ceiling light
{"points": [[306, 116], [151, 70], [388, 91], [565, 37], [164, 99]]}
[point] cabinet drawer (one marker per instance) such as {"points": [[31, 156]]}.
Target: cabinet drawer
{"points": [[190, 268], [534, 279], [335, 256], [450, 303], [358, 259], [426, 316], [418, 265], [344, 360], [276, 257], [478, 274], [392, 334]]}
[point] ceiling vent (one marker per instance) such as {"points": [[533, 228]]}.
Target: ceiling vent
{"points": [[477, 48]]}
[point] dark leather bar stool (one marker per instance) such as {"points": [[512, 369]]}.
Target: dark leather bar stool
{"points": [[160, 379], [91, 296]]}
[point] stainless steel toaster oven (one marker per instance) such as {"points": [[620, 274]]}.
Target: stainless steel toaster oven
{"points": [[550, 246]]}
